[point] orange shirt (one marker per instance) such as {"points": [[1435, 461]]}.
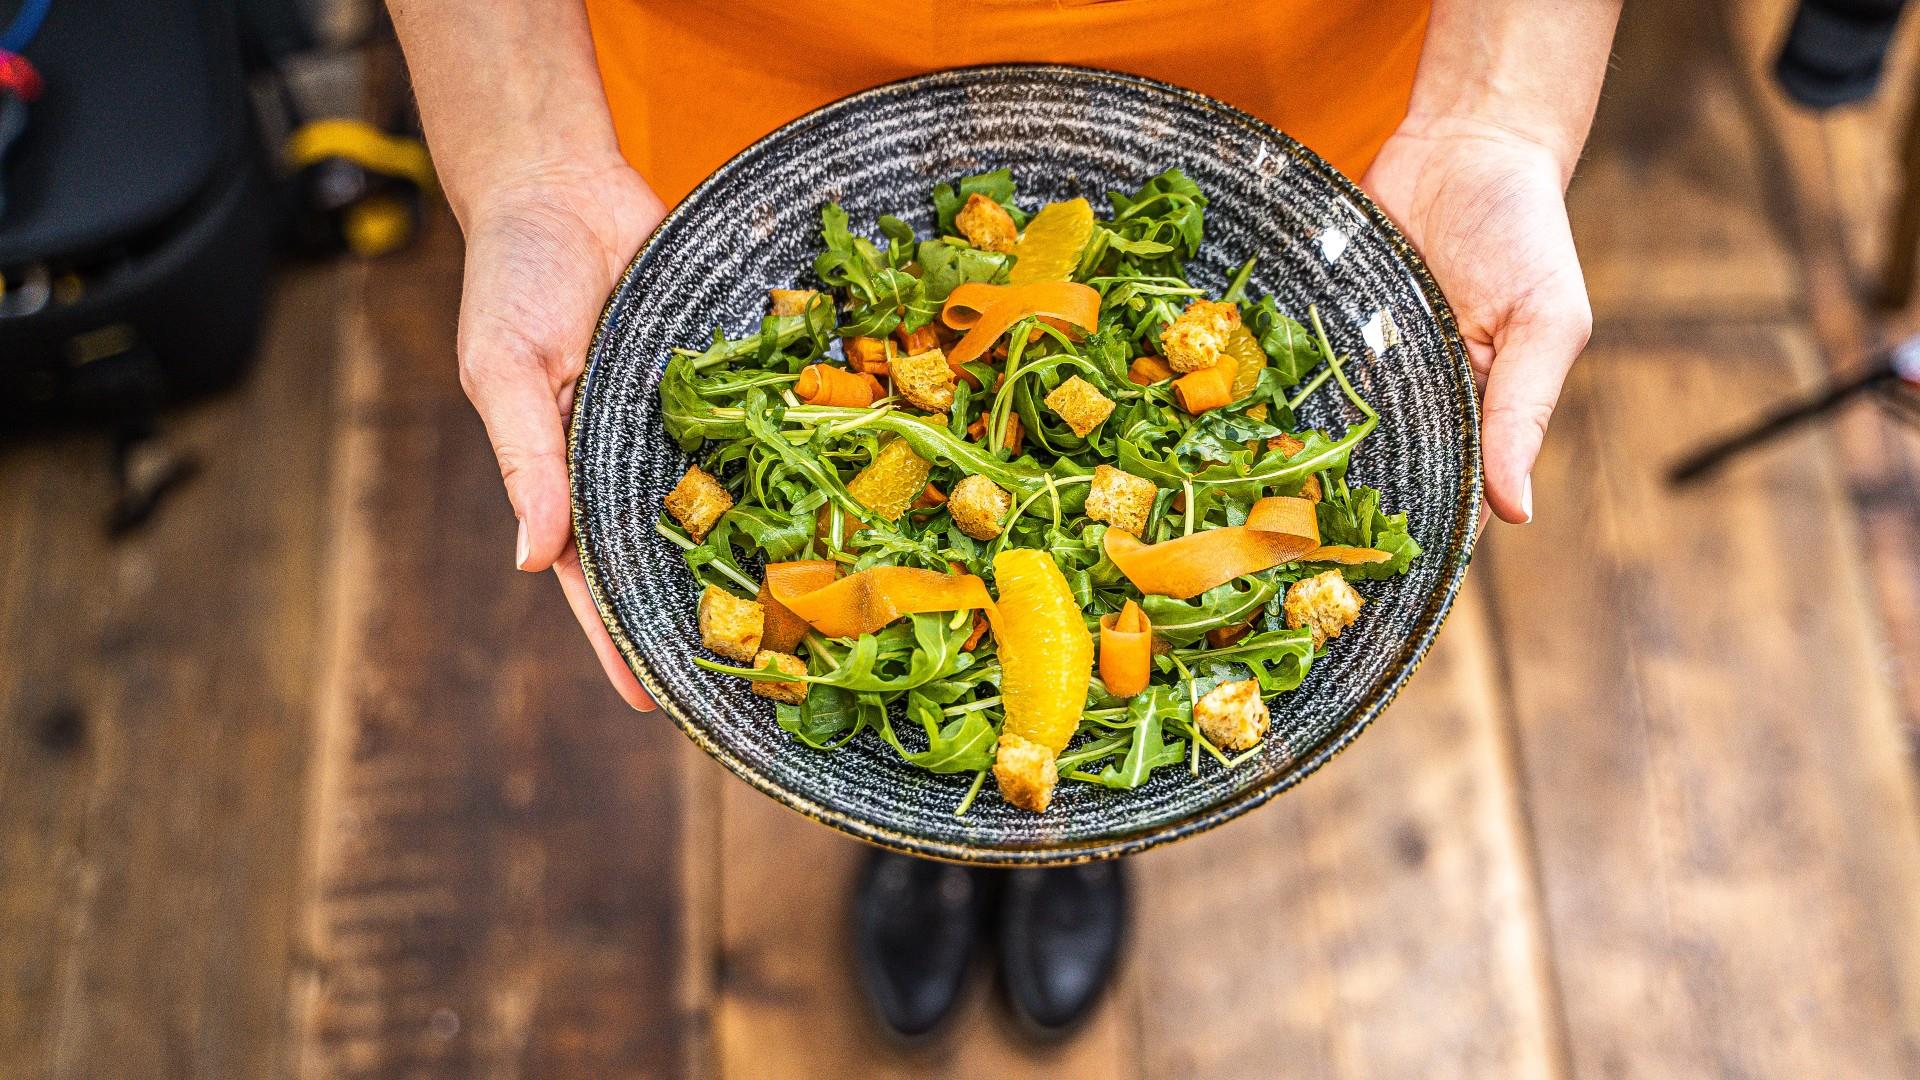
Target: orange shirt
{"points": [[693, 82]]}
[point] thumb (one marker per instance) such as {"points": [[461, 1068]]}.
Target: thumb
{"points": [[1530, 363], [506, 377]]}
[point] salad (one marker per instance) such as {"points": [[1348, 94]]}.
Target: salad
{"points": [[1018, 498]]}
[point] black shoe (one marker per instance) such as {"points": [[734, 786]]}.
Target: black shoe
{"points": [[915, 925], [1060, 932]]}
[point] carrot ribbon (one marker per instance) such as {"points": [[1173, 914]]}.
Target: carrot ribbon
{"points": [[986, 311], [864, 602], [1345, 555], [821, 384], [1279, 529], [1126, 650], [1208, 388]]}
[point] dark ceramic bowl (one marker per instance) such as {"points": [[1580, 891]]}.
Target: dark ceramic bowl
{"points": [[1064, 131]]}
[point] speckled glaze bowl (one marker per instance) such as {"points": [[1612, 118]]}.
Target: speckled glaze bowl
{"points": [[1064, 131]]}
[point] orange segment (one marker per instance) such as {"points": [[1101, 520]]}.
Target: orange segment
{"points": [[1246, 350], [890, 483], [1046, 653], [1050, 248]]}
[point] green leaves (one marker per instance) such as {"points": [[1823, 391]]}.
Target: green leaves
{"points": [[1290, 347], [1149, 712], [911, 684], [1279, 659], [1353, 516], [996, 185], [945, 266]]}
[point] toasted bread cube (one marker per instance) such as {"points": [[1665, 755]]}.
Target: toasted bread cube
{"points": [[1232, 716], [1196, 340], [1120, 499], [978, 506], [986, 224], [925, 380], [1289, 445], [791, 301], [793, 693], [1324, 602], [697, 501], [1025, 772], [729, 625], [1081, 405]]}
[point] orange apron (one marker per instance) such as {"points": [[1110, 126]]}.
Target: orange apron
{"points": [[693, 82]]}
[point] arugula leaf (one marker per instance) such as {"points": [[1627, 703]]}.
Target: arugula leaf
{"points": [[1183, 622], [963, 744], [1353, 516], [1290, 348], [1149, 711], [944, 267], [996, 185], [1279, 659]]}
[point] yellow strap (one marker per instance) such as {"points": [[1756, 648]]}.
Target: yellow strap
{"points": [[364, 144]]}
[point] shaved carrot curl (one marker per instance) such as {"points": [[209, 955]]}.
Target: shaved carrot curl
{"points": [[1208, 388], [820, 384], [987, 311], [784, 629], [1279, 529], [1126, 650], [1346, 556], [866, 601], [1147, 370]]}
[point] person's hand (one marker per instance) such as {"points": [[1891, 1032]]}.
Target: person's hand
{"points": [[1486, 208], [542, 254]]}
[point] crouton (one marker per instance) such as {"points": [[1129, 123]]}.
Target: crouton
{"points": [[729, 625], [1232, 716], [986, 224], [697, 501], [1324, 602], [1288, 446], [793, 693], [1120, 499], [925, 380], [978, 506], [1196, 340], [1025, 772], [1080, 405], [791, 301]]}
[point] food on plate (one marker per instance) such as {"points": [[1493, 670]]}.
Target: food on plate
{"points": [[1018, 498]]}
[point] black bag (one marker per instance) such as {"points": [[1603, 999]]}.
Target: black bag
{"points": [[138, 224]]}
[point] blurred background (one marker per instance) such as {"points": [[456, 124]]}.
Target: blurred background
{"points": [[299, 777]]}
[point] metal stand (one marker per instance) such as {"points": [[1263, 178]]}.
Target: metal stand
{"points": [[1892, 378]]}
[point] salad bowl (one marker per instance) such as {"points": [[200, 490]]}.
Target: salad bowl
{"points": [[1318, 243]]}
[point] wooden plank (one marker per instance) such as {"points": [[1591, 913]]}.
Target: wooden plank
{"points": [[1726, 826], [495, 864], [1838, 179], [1380, 920], [154, 699]]}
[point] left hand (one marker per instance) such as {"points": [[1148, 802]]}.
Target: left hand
{"points": [[1486, 207]]}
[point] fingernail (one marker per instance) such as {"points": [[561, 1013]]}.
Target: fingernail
{"points": [[520, 548], [1526, 497]]}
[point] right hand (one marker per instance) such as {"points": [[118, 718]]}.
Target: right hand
{"points": [[543, 252]]}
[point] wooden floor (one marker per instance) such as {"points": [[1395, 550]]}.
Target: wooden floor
{"points": [[306, 781]]}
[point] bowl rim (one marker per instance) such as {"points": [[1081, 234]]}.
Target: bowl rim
{"points": [[1458, 551]]}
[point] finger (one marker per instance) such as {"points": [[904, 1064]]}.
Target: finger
{"points": [[505, 376], [574, 584], [1532, 357]]}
